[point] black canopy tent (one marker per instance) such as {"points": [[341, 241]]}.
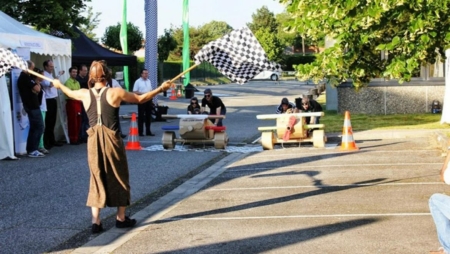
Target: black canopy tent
{"points": [[85, 50]]}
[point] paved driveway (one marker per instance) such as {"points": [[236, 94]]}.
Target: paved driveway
{"points": [[298, 200]]}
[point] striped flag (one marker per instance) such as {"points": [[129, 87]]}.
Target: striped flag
{"points": [[237, 55], [8, 60]]}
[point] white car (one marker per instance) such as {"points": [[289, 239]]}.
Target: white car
{"points": [[272, 75]]}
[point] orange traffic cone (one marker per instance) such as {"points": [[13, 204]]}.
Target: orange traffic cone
{"points": [[348, 143], [133, 136], [179, 93], [173, 96]]}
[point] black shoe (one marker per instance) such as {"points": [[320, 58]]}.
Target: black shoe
{"points": [[150, 134], [123, 135], [96, 228], [58, 144], [127, 223], [74, 143], [141, 135]]}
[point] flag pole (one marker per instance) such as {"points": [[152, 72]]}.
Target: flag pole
{"points": [[124, 42], [40, 75], [184, 72], [186, 48]]}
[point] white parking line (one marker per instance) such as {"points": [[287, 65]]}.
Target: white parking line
{"points": [[287, 152], [336, 165], [305, 216], [322, 186]]}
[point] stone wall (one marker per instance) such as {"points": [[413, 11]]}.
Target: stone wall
{"points": [[389, 97]]}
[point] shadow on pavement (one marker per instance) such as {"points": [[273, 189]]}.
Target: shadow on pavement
{"points": [[274, 241], [272, 201]]}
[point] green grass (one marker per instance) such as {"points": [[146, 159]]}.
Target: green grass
{"points": [[334, 121]]}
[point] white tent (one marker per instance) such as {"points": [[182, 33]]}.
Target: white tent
{"points": [[14, 34]]}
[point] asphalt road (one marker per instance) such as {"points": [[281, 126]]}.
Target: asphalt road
{"points": [[43, 199], [289, 200]]}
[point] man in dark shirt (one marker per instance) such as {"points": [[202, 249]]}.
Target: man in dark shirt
{"points": [[29, 94], [215, 105], [82, 78], [309, 105]]}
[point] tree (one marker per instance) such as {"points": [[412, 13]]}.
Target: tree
{"points": [[92, 23], [217, 29], [413, 33], [135, 37], [199, 37], [287, 37], [263, 18], [47, 16], [290, 37], [270, 43], [166, 43]]}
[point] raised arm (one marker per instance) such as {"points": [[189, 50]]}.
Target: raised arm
{"points": [[74, 94], [141, 98]]}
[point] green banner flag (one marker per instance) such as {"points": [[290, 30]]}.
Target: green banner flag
{"points": [[186, 48], [124, 42]]}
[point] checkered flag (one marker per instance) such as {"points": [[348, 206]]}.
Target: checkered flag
{"points": [[8, 60], [237, 55]]}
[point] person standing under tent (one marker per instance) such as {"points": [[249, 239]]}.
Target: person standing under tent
{"points": [[51, 95]]}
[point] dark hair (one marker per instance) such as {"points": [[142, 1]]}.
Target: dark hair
{"points": [[143, 70], [38, 71], [194, 99], [46, 62], [98, 73], [72, 68], [80, 67]]}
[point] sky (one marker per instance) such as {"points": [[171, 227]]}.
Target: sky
{"points": [[237, 13]]}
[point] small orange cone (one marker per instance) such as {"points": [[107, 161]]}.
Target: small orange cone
{"points": [[348, 143], [133, 136], [173, 95], [179, 93]]}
